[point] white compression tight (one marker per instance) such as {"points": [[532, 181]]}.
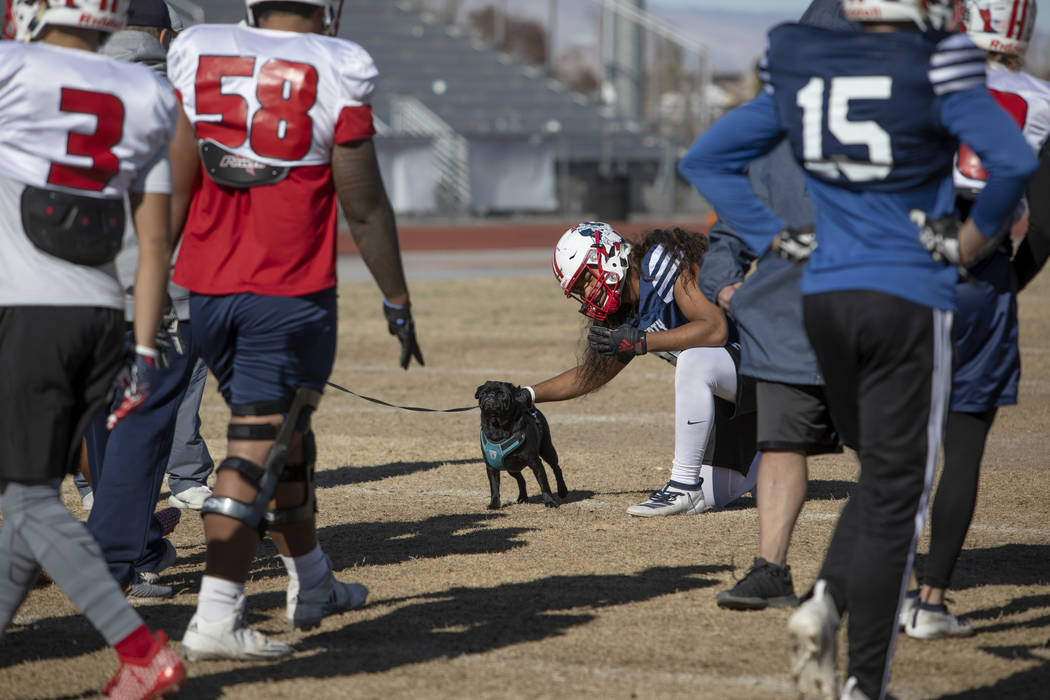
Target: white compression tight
{"points": [[701, 374]]}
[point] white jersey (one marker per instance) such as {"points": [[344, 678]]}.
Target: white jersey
{"points": [[77, 122], [1027, 100], [276, 97]]}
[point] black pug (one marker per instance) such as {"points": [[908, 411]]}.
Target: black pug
{"points": [[514, 434]]}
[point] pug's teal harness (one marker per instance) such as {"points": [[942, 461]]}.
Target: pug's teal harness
{"points": [[496, 452]]}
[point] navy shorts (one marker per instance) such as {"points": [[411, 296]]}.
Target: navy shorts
{"points": [[987, 358], [262, 348]]}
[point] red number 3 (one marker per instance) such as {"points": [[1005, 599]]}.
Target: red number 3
{"points": [[110, 128], [281, 127]]}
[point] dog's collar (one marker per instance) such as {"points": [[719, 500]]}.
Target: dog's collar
{"points": [[495, 452]]}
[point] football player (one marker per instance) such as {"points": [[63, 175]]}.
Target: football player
{"points": [[987, 357], [80, 132], [643, 298], [277, 126], [875, 119]]}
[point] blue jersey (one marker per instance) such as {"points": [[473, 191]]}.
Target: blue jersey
{"points": [[875, 119]]}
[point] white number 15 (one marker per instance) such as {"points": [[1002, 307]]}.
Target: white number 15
{"points": [[865, 133]]}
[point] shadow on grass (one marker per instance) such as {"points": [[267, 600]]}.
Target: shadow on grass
{"points": [[1030, 683], [1008, 564], [350, 474], [829, 490], [462, 621]]}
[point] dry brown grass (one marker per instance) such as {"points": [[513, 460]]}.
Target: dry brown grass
{"points": [[582, 601]]}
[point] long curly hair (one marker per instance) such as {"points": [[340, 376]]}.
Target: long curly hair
{"points": [[688, 248]]}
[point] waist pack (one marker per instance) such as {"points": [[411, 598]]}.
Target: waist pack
{"points": [[232, 170], [78, 229]]}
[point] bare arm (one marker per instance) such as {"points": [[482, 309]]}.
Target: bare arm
{"points": [[355, 173], [151, 214], [185, 171], [706, 327], [573, 382]]}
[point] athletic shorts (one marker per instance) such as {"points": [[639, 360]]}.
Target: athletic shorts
{"points": [[794, 418], [59, 363], [262, 348]]}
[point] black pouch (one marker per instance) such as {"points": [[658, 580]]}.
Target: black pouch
{"points": [[78, 229], [231, 170]]}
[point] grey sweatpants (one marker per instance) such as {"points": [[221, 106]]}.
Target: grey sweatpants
{"points": [[39, 531]]}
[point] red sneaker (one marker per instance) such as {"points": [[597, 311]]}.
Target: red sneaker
{"points": [[169, 518], [155, 676]]}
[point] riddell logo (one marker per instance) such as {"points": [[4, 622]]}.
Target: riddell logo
{"points": [[999, 45], [239, 162], [865, 13], [110, 23]]}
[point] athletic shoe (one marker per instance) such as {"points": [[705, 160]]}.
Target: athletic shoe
{"points": [[192, 498], [167, 560], [87, 500], [934, 622], [229, 638], [911, 602], [672, 499], [814, 630], [852, 691], [155, 676], [143, 589], [764, 585], [307, 608], [169, 518]]}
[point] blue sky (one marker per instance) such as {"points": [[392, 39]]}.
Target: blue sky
{"points": [[1042, 21]]}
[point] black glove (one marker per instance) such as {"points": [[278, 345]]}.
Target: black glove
{"points": [[399, 322], [795, 246], [939, 236], [625, 340], [169, 339]]}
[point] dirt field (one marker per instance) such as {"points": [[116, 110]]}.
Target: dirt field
{"points": [[581, 601]]}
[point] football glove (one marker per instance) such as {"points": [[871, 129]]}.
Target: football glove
{"points": [[133, 383], [625, 340], [795, 246], [399, 322], [938, 236]]}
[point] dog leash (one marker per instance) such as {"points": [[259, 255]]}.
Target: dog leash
{"points": [[403, 408]]}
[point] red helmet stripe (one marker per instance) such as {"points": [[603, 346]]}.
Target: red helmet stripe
{"points": [[1013, 16]]}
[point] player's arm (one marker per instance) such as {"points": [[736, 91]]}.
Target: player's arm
{"points": [[706, 327], [151, 213], [577, 381], [185, 172], [725, 265], [1034, 248], [716, 165], [359, 186], [975, 119]]}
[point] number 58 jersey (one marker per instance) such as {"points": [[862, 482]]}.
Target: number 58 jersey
{"points": [[266, 101]]}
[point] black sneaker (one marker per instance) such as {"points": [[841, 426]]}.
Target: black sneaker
{"points": [[764, 585]]}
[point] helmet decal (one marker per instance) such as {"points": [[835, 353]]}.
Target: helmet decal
{"points": [[29, 17], [590, 263], [1002, 26], [927, 14]]}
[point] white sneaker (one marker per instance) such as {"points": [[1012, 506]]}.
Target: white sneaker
{"points": [[852, 691], [911, 602], [87, 500], [670, 500], [934, 622], [307, 608], [814, 630], [192, 498], [229, 638]]}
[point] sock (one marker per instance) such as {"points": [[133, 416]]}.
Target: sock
{"points": [[218, 598], [685, 478], [307, 570], [136, 645]]}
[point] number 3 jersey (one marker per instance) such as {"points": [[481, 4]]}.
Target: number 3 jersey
{"points": [[79, 124], [268, 102]]}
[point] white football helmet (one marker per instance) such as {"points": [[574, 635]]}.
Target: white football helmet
{"points": [[330, 9], [29, 17], [597, 247], [1003, 26], [927, 14]]}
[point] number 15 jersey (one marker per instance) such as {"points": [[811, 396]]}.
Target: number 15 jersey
{"points": [[271, 98]]}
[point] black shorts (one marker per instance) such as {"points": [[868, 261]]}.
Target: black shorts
{"points": [[794, 418], [58, 363]]}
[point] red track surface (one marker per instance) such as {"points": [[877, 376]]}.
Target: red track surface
{"points": [[483, 236]]}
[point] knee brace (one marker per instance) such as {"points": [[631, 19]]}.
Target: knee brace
{"points": [[298, 473], [264, 477]]}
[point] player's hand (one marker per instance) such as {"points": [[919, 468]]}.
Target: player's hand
{"points": [[725, 295], [523, 396], [625, 340], [169, 339], [795, 246], [939, 236], [399, 322], [134, 382]]}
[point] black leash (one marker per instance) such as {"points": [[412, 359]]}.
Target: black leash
{"points": [[404, 408]]}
